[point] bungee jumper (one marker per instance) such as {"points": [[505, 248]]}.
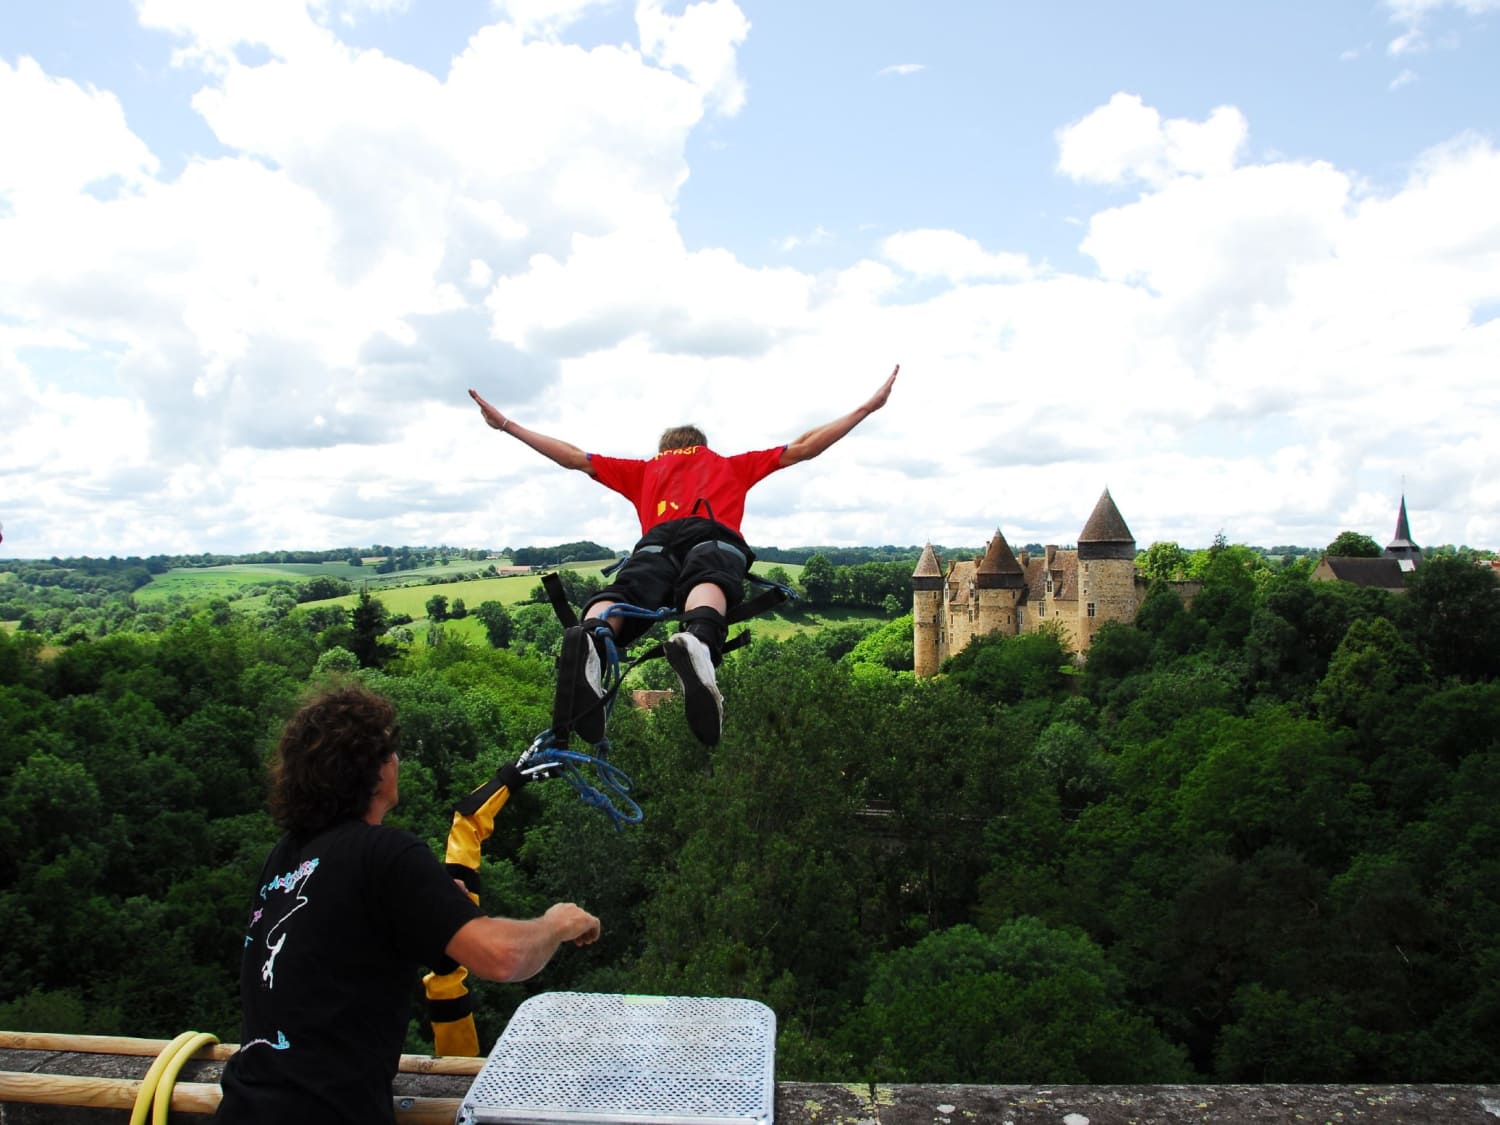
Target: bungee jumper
{"points": [[690, 562]]}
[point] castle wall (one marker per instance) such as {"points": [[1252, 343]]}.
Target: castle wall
{"points": [[1106, 592], [929, 642]]}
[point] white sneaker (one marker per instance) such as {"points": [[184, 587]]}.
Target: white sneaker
{"points": [[694, 665]]}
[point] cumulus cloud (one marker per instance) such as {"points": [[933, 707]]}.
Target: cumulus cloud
{"points": [[69, 138], [951, 256], [1127, 140], [703, 43]]}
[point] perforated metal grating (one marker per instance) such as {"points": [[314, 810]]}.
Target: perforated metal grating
{"points": [[584, 1057]]}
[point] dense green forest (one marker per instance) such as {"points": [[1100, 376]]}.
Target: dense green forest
{"points": [[1257, 839]]}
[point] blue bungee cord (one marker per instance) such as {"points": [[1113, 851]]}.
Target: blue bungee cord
{"points": [[609, 792]]}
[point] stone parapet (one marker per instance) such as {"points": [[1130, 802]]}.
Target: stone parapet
{"points": [[427, 1097]]}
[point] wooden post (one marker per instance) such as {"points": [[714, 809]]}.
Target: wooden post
{"points": [[187, 1097], [150, 1048]]}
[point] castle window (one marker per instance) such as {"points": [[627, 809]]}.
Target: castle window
{"points": [[1020, 618], [1091, 609], [1041, 611]]}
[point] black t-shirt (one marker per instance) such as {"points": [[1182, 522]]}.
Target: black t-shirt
{"points": [[339, 927]]}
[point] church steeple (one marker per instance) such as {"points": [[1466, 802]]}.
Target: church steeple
{"points": [[1401, 548]]}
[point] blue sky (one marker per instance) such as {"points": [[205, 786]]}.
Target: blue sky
{"points": [[1238, 263]]}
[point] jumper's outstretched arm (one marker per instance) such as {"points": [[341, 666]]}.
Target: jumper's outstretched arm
{"points": [[819, 438], [564, 453]]}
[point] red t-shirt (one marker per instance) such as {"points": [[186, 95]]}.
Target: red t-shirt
{"points": [[667, 486]]}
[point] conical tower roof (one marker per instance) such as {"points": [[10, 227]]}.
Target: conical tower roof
{"points": [[927, 565], [999, 567], [929, 572], [1106, 535]]}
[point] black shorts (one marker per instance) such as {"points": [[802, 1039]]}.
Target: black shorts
{"points": [[669, 561]]}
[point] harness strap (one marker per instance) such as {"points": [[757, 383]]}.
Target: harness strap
{"points": [[552, 584], [772, 596], [648, 549]]}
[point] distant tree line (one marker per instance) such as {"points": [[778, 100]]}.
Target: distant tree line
{"points": [[839, 556], [581, 551]]}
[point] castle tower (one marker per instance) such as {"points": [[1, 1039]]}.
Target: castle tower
{"points": [[1000, 583], [1401, 548], [1106, 571], [928, 632]]}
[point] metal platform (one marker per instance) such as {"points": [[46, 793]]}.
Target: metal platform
{"points": [[580, 1058]]}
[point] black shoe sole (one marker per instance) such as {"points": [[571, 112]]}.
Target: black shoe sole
{"points": [[576, 707]]}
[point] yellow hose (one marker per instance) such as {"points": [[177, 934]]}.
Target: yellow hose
{"points": [[156, 1088]]}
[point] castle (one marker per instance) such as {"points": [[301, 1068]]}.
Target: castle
{"points": [[1074, 591]]}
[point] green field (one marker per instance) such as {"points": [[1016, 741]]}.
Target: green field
{"points": [[405, 591], [202, 583]]}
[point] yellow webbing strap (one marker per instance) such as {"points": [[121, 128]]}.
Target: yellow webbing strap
{"points": [[155, 1093], [469, 831]]}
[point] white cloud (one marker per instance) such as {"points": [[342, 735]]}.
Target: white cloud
{"points": [[1128, 140], [67, 139], [1411, 10], [702, 43], [951, 256], [901, 70], [1405, 78], [818, 236], [1415, 14], [278, 339], [544, 18], [1411, 42], [215, 33]]}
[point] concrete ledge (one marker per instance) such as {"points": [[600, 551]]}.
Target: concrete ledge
{"points": [[431, 1096]]}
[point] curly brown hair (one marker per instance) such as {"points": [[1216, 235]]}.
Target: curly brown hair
{"points": [[680, 437], [327, 764]]}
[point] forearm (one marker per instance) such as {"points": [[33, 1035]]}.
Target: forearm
{"points": [[564, 453], [508, 949], [819, 438]]}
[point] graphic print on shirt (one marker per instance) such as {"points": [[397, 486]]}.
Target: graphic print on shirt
{"points": [[281, 1043], [290, 891]]}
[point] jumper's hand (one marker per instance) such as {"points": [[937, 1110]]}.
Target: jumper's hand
{"points": [[496, 420], [877, 400]]}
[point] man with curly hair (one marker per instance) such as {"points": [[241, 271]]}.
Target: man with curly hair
{"points": [[691, 555], [346, 911]]}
